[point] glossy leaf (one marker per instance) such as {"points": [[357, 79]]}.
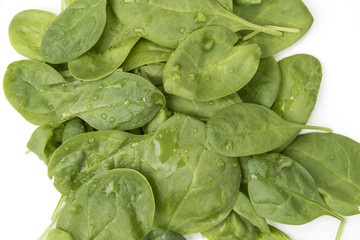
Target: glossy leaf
{"points": [[58, 234], [87, 155], [245, 129], [120, 197], [264, 87], [182, 18], [146, 52], [275, 234], [152, 72], [234, 227], [244, 208], [285, 13], [74, 31], [160, 234], [73, 128], [108, 53], [42, 96], [194, 187], [282, 191], [202, 110], [300, 82], [207, 65], [26, 31], [334, 163]]}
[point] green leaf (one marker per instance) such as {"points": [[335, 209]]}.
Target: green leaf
{"points": [[87, 155], [168, 22], [146, 52], [334, 163], [234, 227], [247, 2], [207, 65], [74, 31], [42, 96], [244, 208], [73, 128], [120, 197], [264, 87], [108, 53], [286, 13], [245, 129], [159, 119], [227, 4], [282, 191], [26, 31]]}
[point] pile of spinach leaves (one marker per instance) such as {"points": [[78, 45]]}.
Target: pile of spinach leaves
{"points": [[159, 119]]}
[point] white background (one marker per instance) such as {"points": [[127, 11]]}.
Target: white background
{"points": [[27, 197]]}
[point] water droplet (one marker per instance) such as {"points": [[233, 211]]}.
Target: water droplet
{"points": [[127, 102], [90, 106], [182, 29], [96, 98], [208, 44], [65, 42], [104, 116], [332, 157], [91, 140], [112, 28], [106, 165], [158, 99], [221, 163], [92, 227], [200, 18], [77, 209], [112, 119], [101, 86], [67, 148], [175, 76], [195, 130], [211, 102], [176, 67], [208, 78], [148, 21], [13, 79], [231, 70], [144, 99], [192, 77], [229, 146]]}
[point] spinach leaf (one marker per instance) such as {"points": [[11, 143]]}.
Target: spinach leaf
{"points": [[282, 191], [108, 53], [72, 128], [120, 197], [58, 234], [227, 4], [334, 162], [300, 83], [69, 2], [202, 110], [244, 208], [87, 155], [286, 13], [45, 140], [275, 234], [74, 31], [245, 129], [234, 227], [146, 52], [264, 87], [160, 234], [42, 96], [182, 18], [194, 187], [207, 65], [26, 31]]}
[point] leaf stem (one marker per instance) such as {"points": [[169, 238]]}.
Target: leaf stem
{"points": [[49, 227], [58, 207], [250, 35], [341, 228], [54, 217], [325, 129], [284, 29]]}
